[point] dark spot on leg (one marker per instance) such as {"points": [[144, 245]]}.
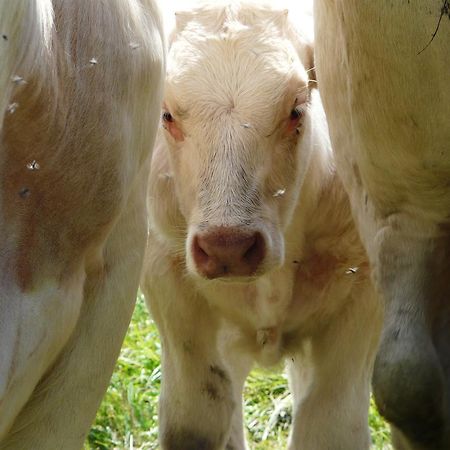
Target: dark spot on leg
{"points": [[357, 174], [396, 334], [212, 392], [24, 192], [188, 347], [186, 440], [216, 370]]}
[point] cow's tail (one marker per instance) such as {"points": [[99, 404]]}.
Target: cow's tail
{"points": [[26, 28]]}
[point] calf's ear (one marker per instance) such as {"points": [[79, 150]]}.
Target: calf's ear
{"points": [[177, 24], [301, 34], [182, 18], [310, 66], [306, 51]]}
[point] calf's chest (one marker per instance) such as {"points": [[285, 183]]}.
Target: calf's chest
{"points": [[270, 317]]}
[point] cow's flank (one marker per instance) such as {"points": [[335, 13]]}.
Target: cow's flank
{"points": [[80, 88]]}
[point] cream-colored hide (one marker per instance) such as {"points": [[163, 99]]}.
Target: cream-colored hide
{"points": [[384, 75], [80, 92], [252, 254]]}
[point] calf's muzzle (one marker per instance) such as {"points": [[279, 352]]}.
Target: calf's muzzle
{"points": [[228, 252]]}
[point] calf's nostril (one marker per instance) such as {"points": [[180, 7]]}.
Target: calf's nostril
{"points": [[256, 251], [200, 254]]}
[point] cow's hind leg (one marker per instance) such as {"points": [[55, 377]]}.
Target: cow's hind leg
{"points": [[330, 380], [64, 403], [410, 385]]}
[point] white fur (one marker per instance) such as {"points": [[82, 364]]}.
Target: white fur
{"points": [[22, 47], [233, 75], [384, 81], [86, 78]]}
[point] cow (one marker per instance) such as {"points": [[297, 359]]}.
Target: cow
{"points": [[253, 256], [80, 93], [383, 71]]}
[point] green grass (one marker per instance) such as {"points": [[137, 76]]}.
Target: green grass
{"points": [[127, 418]]}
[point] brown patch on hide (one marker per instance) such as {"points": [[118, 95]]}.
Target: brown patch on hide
{"points": [[212, 392], [357, 174], [317, 269], [220, 373], [59, 192]]}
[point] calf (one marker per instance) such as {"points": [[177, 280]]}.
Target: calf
{"points": [[80, 93], [252, 252], [384, 72]]}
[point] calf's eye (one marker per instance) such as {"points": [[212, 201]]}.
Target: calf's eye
{"points": [[172, 126], [295, 120], [167, 117], [296, 113]]}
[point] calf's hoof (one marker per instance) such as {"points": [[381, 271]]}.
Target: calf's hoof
{"points": [[186, 440]]}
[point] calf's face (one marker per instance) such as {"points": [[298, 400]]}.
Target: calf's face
{"points": [[235, 109]]}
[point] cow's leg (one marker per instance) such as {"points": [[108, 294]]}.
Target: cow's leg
{"points": [[410, 383], [63, 405], [196, 401], [330, 379]]}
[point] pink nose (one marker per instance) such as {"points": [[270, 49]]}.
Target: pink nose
{"points": [[228, 251]]}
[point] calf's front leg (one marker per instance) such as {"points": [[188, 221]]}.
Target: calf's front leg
{"points": [[330, 380], [196, 400], [239, 364]]}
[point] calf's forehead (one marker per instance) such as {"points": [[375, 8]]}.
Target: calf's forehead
{"points": [[250, 75]]}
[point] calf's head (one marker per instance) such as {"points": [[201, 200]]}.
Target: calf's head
{"points": [[235, 113]]}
